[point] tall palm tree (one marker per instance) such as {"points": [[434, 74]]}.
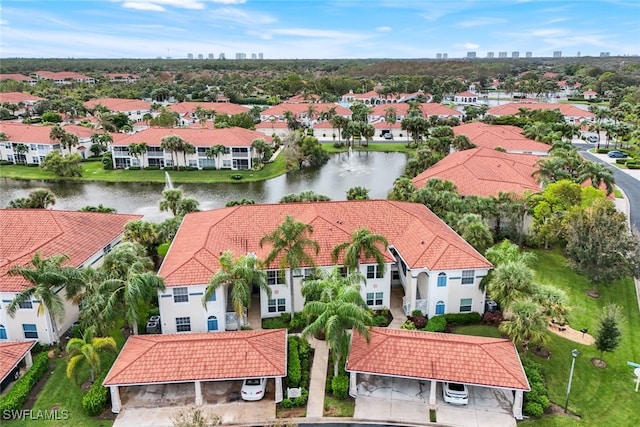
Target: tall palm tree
{"points": [[525, 323], [69, 140], [87, 350], [127, 295], [57, 133], [174, 144], [214, 153], [187, 148], [363, 244], [510, 282], [598, 173], [238, 277], [390, 115], [339, 309], [47, 277], [290, 242]]}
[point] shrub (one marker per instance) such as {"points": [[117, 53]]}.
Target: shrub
{"points": [[304, 353], [134, 168], [533, 409], [96, 398], [492, 318], [380, 320], [415, 313], [5, 163], [296, 402], [408, 325], [463, 318], [15, 398], [152, 168], [419, 321], [294, 373], [274, 323], [436, 324], [340, 386], [633, 165], [621, 161], [299, 321], [236, 177]]}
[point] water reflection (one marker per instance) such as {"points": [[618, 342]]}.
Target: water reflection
{"points": [[375, 171]]}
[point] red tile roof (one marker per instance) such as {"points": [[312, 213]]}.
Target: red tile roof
{"points": [[303, 99], [16, 77], [119, 104], [188, 107], [492, 136], [467, 94], [12, 353], [566, 110], [62, 75], [489, 362], [484, 172], [16, 97], [18, 132], [296, 109], [199, 137], [427, 108], [420, 236], [78, 234], [147, 359]]}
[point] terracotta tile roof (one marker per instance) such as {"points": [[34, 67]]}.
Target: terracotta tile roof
{"points": [[484, 172], [387, 125], [16, 77], [188, 107], [420, 236], [492, 136], [18, 132], [467, 94], [465, 359], [566, 110], [62, 75], [427, 108], [303, 99], [12, 353], [278, 125], [77, 234], [199, 137], [146, 359], [16, 97], [119, 104], [296, 109]]}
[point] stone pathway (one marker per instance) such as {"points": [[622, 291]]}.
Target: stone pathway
{"points": [[315, 404], [571, 334]]}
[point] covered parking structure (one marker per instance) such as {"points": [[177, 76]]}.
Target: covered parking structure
{"points": [[12, 353], [431, 358], [180, 359]]}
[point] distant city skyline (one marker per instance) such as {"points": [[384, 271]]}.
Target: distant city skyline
{"points": [[288, 29]]}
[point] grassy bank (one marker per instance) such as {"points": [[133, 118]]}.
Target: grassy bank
{"points": [[384, 147]]}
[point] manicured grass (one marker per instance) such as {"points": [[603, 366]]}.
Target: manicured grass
{"points": [[599, 396], [338, 408], [618, 194], [479, 331], [94, 171], [385, 147]]}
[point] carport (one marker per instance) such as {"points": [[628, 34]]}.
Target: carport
{"points": [[421, 360], [154, 364], [11, 354]]}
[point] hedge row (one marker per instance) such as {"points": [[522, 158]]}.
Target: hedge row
{"points": [[537, 400], [463, 318], [294, 374], [19, 393], [436, 324], [96, 398], [340, 386], [296, 401]]}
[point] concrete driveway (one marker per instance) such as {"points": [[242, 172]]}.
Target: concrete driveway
{"points": [[407, 400], [221, 400]]}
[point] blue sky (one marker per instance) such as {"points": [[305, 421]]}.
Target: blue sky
{"points": [[315, 28]]}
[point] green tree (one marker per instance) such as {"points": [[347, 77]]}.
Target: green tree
{"points": [[475, 231], [166, 118], [51, 117], [214, 153], [510, 281], [40, 198], [86, 350], [608, 335], [304, 197], [290, 242], [339, 309], [238, 277], [362, 245], [21, 150], [47, 277], [524, 323], [99, 208], [63, 166], [358, 193], [174, 144]]}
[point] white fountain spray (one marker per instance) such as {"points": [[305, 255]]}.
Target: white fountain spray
{"points": [[168, 184]]}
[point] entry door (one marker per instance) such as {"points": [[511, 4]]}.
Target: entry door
{"points": [[212, 323]]}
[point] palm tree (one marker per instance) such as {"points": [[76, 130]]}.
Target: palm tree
{"points": [[187, 148], [127, 295], [47, 277], [125, 258], [143, 232], [598, 173], [390, 115], [172, 143], [475, 231], [57, 133], [214, 153], [41, 198], [510, 282], [238, 278], [21, 150], [290, 242], [87, 350], [173, 200], [69, 140], [339, 122], [525, 323], [363, 244], [339, 309]]}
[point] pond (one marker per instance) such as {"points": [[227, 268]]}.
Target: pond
{"points": [[375, 171]]}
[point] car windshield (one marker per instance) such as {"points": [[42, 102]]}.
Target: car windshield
{"points": [[456, 387], [252, 381]]}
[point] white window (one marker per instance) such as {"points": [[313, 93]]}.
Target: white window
{"points": [[465, 305], [180, 295], [467, 277], [374, 298], [277, 305], [226, 164], [30, 331], [373, 272], [442, 280], [275, 277], [183, 324], [25, 304]]}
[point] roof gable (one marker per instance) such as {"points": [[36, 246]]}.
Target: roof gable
{"points": [[11, 353]]}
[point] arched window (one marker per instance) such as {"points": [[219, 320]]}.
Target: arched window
{"points": [[440, 307], [212, 323], [442, 280], [3, 333]]}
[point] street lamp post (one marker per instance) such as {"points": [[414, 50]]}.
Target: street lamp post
{"points": [[574, 353]]}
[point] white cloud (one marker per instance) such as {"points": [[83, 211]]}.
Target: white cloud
{"points": [[478, 22], [470, 46], [229, 1], [143, 6], [238, 16], [307, 32], [159, 5], [383, 29]]}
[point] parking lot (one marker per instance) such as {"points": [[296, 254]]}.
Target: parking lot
{"points": [[403, 399]]}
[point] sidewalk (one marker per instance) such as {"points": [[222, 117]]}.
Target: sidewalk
{"points": [[315, 404]]}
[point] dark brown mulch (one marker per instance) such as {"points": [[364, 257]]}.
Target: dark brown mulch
{"points": [[598, 363], [541, 352]]}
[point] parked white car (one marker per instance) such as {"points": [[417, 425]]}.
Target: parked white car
{"points": [[253, 388], [454, 393]]}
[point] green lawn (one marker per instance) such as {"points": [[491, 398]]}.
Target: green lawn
{"points": [[337, 407], [385, 147], [479, 331], [601, 397]]}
